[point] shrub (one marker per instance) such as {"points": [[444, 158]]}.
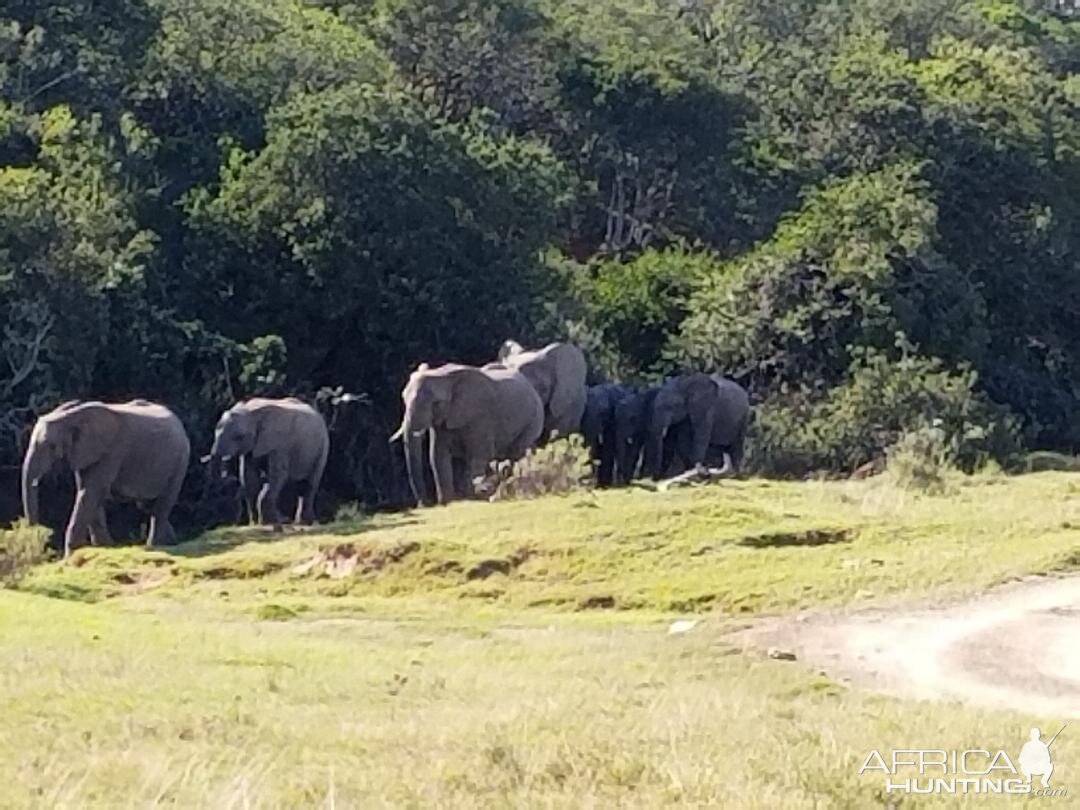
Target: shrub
{"points": [[849, 425], [638, 305], [920, 460], [560, 467], [21, 547]]}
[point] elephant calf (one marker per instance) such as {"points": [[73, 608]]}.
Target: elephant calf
{"points": [[288, 440], [134, 451], [598, 429]]}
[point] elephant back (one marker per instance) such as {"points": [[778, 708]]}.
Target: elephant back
{"points": [[732, 413], [518, 409]]}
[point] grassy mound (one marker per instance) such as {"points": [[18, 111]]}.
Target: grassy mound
{"points": [[740, 548]]}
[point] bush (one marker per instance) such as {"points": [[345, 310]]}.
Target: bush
{"points": [[558, 468], [920, 460], [21, 548], [843, 428]]}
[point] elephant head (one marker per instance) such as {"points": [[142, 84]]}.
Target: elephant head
{"points": [[598, 406], [77, 434], [236, 434], [255, 426], [426, 399], [689, 401]]}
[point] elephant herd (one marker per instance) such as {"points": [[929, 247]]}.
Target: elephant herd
{"points": [[460, 422]]}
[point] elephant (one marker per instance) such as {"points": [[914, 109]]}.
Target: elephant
{"points": [[277, 441], [471, 415], [716, 409], [598, 428], [135, 451], [557, 372], [633, 415]]}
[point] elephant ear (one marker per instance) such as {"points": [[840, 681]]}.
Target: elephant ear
{"points": [[568, 377], [469, 399], [89, 431], [541, 372]]}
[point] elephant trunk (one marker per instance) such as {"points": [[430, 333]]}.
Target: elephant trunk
{"points": [[654, 448], [32, 472], [414, 459]]}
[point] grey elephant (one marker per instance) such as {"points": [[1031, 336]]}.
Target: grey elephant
{"points": [[471, 415], [135, 451], [557, 372], [277, 441], [598, 428], [715, 410]]}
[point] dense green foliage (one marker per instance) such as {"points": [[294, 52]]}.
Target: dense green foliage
{"points": [[866, 211]]}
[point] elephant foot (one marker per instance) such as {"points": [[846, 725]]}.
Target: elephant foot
{"points": [[161, 533]]}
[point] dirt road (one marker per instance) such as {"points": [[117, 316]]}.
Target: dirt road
{"points": [[1017, 646]]}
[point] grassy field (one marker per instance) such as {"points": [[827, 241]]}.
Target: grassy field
{"points": [[503, 654]]}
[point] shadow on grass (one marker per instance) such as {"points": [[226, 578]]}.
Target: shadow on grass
{"points": [[810, 537], [65, 591], [227, 538]]}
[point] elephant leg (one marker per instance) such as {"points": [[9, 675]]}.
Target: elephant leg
{"points": [[461, 487], [305, 507], [442, 466], [682, 449], [250, 486], [702, 432], [627, 457], [305, 503], [605, 474], [87, 504], [480, 452], [99, 529], [162, 532], [738, 447], [271, 492]]}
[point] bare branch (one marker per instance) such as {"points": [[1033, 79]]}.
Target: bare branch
{"points": [[19, 374]]}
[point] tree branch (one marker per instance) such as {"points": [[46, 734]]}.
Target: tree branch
{"points": [[19, 374]]}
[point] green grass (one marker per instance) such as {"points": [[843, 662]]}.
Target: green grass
{"points": [[501, 654]]}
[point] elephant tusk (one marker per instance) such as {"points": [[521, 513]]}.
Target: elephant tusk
{"points": [[206, 459], [398, 434]]}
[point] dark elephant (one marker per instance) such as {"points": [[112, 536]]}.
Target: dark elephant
{"points": [[134, 451], [472, 416], [598, 428], [716, 411], [633, 416], [277, 441]]}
